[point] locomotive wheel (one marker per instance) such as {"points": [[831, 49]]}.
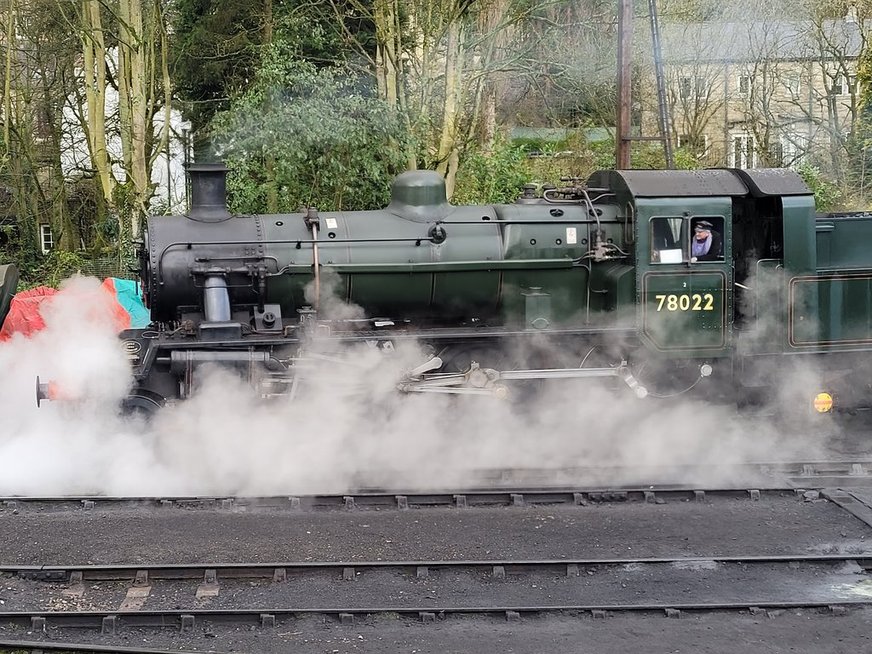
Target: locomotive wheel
{"points": [[142, 403]]}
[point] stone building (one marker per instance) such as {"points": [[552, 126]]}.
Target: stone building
{"points": [[763, 93]]}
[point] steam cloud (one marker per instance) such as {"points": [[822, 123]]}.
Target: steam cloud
{"points": [[347, 428]]}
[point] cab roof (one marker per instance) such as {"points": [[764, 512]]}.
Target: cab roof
{"points": [[701, 183]]}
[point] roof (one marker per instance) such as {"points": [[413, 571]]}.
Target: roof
{"points": [[671, 183], [773, 181], [752, 41]]}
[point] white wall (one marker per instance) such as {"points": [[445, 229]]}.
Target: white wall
{"points": [[167, 173]]}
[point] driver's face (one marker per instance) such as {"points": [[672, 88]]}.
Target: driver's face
{"points": [[702, 234]]}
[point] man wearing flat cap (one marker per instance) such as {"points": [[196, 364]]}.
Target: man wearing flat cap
{"points": [[706, 244]]}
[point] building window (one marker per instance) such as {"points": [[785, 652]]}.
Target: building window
{"points": [[792, 84], [695, 144], [692, 87], [685, 87], [743, 151], [744, 84], [792, 147], [842, 85], [46, 238]]}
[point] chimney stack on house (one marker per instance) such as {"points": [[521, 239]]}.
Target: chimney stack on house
{"points": [[852, 15]]}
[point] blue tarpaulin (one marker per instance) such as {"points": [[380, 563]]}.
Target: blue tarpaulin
{"points": [[127, 292]]}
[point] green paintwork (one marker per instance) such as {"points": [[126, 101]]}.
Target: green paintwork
{"points": [[830, 310], [685, 312], [832, 307], [843, 242], [490, 257], [800, 244], [694, 331], [613, 287], [828, 290]]}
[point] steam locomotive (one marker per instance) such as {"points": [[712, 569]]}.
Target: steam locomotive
{"points": [[719, 282]]}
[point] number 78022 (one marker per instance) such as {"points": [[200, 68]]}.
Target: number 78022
{"points": [[685, 302]]}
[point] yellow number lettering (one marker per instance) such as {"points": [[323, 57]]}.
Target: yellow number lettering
{"points": [[709, 302], [685, 302]]}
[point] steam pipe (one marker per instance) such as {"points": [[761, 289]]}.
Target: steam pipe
{"points": [[180, 360], [216, 300], [312, 220], [317, 265]]}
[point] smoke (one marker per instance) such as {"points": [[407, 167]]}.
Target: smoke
{"points": [[347, 426], [66, 447]]}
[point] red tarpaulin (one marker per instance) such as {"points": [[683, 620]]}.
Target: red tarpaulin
{"points": [[25, 318]]}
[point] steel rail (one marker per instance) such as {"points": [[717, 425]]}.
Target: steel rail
{"points": [[859, 467], [380, 500], [519, 486], [185, 619], [145, 573], [55, 646]]}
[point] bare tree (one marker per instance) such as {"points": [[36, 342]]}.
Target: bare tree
{"points": [[124, 56], [37, 54], [444, 64]]}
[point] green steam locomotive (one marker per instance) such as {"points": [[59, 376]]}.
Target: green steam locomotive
{"points": [[723, 283]]}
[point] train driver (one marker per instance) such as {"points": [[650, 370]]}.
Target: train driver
{"points": [[706, 244]]}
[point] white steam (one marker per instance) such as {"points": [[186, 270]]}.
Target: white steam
{"points": [[347, 427]]}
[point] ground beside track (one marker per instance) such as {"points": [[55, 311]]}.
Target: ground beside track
{"points": [[782, 523]]}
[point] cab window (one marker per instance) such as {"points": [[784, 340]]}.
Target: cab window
{"points": [[687, 239], [667, 240]]}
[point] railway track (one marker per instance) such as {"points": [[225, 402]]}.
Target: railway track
{"points": [[571, 578], [39, 646], [518, 488], [378, 501], [188, 619], [79, 606], [142, 575]]}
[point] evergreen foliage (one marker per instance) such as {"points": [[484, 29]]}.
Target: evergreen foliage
{"points": [[217, 47], [308, 136]]}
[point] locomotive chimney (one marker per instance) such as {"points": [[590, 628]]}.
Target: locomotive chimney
{"points": [[208, 192]]}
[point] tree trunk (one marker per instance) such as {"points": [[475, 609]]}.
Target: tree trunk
{"points": [[94, 55], [7, 82], [135, 90], [447, 154]]}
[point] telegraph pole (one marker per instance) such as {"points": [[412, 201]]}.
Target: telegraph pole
{"points": [[623, 137], [625, 59]]}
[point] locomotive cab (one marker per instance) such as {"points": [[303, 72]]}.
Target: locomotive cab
{"points": [[683, 251]]}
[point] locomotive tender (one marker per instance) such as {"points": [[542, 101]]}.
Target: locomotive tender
{"points": [[608, 280]]}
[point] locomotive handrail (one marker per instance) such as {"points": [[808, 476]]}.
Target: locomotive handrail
{"points": [[434, 266], [523, 222], [295, 241], [298, 242], [448, 266]]}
